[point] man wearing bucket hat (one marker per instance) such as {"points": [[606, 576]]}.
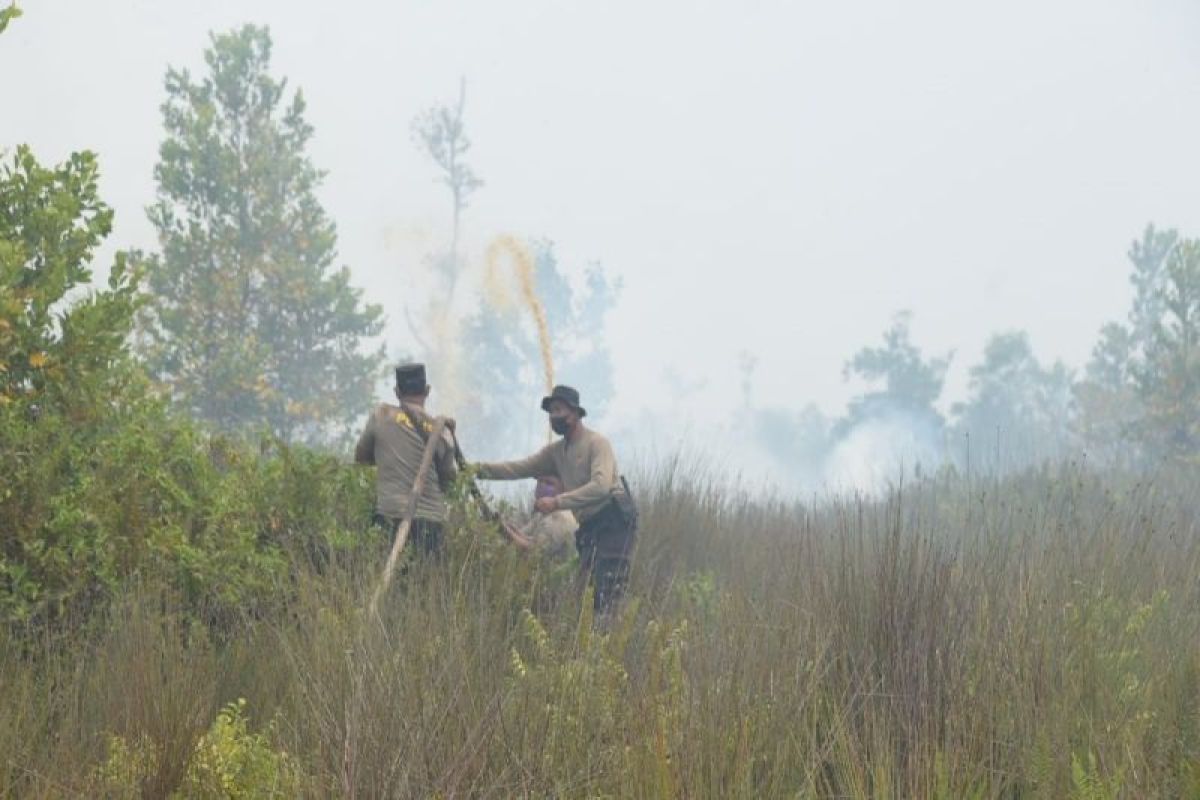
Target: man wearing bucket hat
{"points": [[394, 441], [593, 490]]}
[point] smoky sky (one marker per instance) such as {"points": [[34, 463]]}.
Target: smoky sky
{"points": [[769, 177]]}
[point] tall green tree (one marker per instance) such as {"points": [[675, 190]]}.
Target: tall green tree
{"points": [[1018, 411], [251, 323], [1138, 400], [904, 382], [1167, 376], [1107, 404], [1149, 255]]}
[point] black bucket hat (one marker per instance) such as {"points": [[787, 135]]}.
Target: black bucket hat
{"points": [[566, 394], [410, 378]]}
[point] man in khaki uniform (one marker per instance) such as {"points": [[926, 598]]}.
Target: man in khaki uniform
{"points": [[583, 461], [394, 441]]}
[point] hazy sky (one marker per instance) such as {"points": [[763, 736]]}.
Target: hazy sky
{"points": [[766, 176]]}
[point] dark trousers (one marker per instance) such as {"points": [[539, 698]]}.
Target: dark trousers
{"points": [[424, 535], [605, 543]]}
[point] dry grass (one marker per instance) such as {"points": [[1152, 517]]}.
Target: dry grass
{"points": [[1036, 637]]}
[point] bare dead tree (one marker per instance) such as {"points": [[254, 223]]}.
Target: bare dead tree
{"points": [[442, 133]]}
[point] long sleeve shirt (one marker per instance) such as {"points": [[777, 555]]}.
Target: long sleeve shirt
{"points": [[393, 444], [586, 467]]}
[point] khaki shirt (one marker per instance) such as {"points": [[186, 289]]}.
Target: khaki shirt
{"points": [[393, 444], [586, 467]]}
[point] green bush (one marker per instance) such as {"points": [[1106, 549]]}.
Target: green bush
{"points": [[137, 493], [101, 484], [229, 762]]}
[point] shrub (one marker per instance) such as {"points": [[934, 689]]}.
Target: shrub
{"points": [[230, 762]]}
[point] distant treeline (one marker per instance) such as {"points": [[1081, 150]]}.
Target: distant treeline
{"points": [[1136, 404]]}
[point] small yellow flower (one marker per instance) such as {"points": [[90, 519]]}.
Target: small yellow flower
{"points": [[38, 360]]}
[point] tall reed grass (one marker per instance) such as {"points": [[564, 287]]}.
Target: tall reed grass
{"points": [[1037, 636]]}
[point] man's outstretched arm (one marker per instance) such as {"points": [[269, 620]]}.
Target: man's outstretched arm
{"points": [[540, 463]]}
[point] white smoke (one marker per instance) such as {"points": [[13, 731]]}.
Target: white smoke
{"points": [[880, 451]]}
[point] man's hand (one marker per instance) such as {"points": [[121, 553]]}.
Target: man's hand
{"points": [[522, 541], [546, 504]]}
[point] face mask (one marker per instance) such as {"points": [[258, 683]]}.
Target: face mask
{"points": [[559, 426]]}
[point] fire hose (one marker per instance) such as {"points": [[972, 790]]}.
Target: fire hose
{"points": [[485, 510]]}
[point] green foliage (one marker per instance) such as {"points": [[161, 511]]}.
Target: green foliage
{"points": [[911, 383], [102, 484], [1142, 386], [1168, 377], [590, 680], [54, 349], [1087, 782], [1024, 637], [1106, 400], [1018, 410], [250, 322], [127, 767], [141, 493], [7, 15], [230, 762], [699, 594], [1148, 256]]}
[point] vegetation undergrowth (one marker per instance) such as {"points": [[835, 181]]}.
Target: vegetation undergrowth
{"points": [[1033, 636]]}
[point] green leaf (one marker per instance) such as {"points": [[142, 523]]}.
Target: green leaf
{"points": [[7, 15]]}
